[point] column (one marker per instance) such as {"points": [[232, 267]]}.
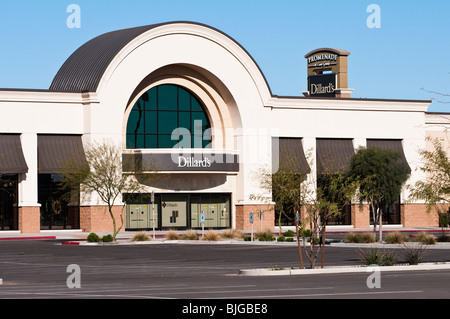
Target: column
{"points": [[29, 208]]}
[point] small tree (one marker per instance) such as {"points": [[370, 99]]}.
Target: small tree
{"points": [[103, 176], [293, 190], [435, 189], [334, 191], [380, 175], [287, 188]]}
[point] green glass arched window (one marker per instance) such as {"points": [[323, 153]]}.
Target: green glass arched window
{"points": [[168, 116]]}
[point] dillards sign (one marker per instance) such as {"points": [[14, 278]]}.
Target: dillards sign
{"points": [[327, 72], [322, 85], [167, 162], [184, 161]]}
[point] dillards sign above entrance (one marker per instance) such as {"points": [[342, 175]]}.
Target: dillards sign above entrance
{"points": [[190, 161], [174, 162]]}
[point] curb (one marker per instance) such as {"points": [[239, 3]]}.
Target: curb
{"points": [[70, 243], [343, 269], [124, 242], [150, 242], [27, 238]]}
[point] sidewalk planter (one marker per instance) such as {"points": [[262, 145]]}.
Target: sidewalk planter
{"points": [[341, 270]]}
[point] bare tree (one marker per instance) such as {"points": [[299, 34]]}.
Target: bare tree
{"points": [[435, 188], [295, 191], [103, 175]]}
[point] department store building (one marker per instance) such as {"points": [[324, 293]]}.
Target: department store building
{"points": [[191, 99]]}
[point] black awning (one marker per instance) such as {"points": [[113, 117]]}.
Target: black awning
{"points": [[389, 144], [55, 151], [333, 155], [289, 156], [12, 160]]}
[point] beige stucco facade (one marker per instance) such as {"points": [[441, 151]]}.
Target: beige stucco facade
{"points": [[245, 116]]}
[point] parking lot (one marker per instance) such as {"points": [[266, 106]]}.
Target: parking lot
{"points": [[39, 269]]}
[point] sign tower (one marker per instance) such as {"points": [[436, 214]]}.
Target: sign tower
{"points": [[327, 73]]}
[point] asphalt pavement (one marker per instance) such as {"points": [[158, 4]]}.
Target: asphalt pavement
{"points": [[46, 269]]}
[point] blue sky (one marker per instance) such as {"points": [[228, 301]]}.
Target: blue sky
{"points": [[408, 56]]}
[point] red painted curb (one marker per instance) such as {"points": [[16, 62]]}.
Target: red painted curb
{"points": [[71, 243]]}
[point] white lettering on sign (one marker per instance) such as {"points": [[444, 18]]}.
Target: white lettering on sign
{"points": [[192, 162], [320, 89], [321, 57]]}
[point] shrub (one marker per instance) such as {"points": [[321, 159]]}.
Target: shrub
{"points": [[360, 238], [232, 233], [443, 219], [247, 238], [413, 254], [395, 238], [377, 257], [305, 233], [351, 238], [141, 236], [190, 235], [290, 239], [211, 235], [93, 238], [172, 235], [289, 233], [264, 235], [281, 238], [444, 238], [107, 238], [425, 238], [267, 238]]}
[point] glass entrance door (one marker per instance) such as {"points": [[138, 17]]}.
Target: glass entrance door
{"points": [[215, 207], [8, 202], [178, 211], [174, 211], [139, 212]]}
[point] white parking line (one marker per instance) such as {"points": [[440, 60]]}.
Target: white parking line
{"points": [[337, 294]]}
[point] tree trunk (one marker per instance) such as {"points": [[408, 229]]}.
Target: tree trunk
{"points": [[298, 242], [279, 220], [324, 226], [380, 235], [374, 218]]}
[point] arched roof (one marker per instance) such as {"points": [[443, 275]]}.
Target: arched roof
{"points": [[84, 69]]}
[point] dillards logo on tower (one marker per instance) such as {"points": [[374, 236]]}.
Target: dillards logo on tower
{"points": [[321, 89], [322, 84]]}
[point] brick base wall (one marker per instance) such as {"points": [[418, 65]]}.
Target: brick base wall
{"points": [[29, 220], [243, 217], [412, 215], [361, 216], [416, 215], [98, 219]]}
